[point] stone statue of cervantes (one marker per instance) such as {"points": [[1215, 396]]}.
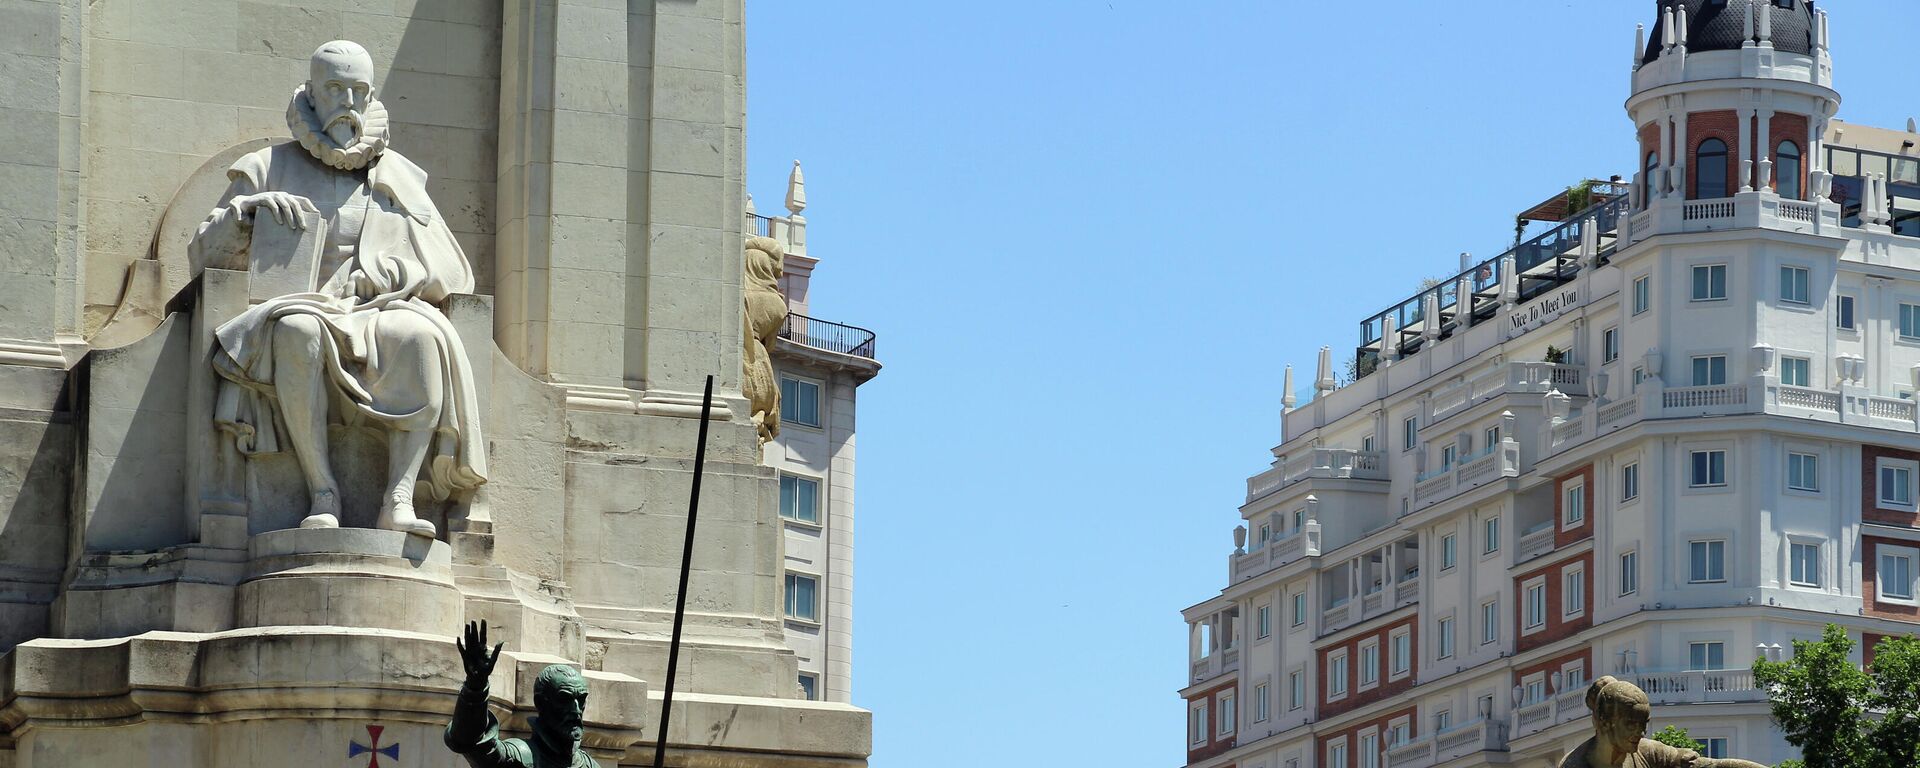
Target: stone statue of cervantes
{"points": [[766, 311], [362, 340], [1620, 713]]}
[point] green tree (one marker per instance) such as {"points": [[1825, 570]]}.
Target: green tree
{"points": [[1843, 716], [1678, 738]]}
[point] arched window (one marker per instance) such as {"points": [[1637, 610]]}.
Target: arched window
{"points": [[1647, 185], [1710, 172], [1786, 169]]}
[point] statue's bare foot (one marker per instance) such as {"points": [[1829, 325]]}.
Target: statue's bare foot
{"points": [[324, 510], [398, 515]]}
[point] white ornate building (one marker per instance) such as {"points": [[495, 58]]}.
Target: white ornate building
{"points": [[1676, 432], [821, 364]]}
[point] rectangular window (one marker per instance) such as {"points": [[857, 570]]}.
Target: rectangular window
{"points": [[799, 402], [1197, 724], [1400, 654], [1260, 712], [800, 499], [1492, 436], [1910, 321], [1574, 505], [1490, 535], [1442, 720], [1710, 282], [1369, 751], [1707, 656], [1296, 690], [1708, 469], [1369, 664], [1299, 609], [1843, 313], [1793, 371], [1629, 573], [1227, 713], [1896, 573], [1448, 553], [1489, 621], [1336, 675], [1446, 638], [1264, 619], [1573, 593], [1609, 345], [1709, 370], [1447, 455], [1793, 285], [1409, 433], [1337, 756], [1714, 747], [1642, 294], [1576, 677], [1630, 482], [1805, 562], [1707, 561], [1534, 690], [1366, 444], [1896, 485], [1803, 472], [1536, 606], [802, 602], [1639, 375], [810, 686]]}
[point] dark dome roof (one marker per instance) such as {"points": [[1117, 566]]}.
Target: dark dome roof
{"points": [[1720, 25]]}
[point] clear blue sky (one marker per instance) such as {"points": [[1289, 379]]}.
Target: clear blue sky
{"points": [[1089, 234]]}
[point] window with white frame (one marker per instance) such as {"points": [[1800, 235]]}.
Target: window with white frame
{"points": [[1299, 608], [1491, 437], [1707, 469], [1449, 553], [1895, 488], [1296, 690], [1629, 573], [1573, 505], [1336, 675], [1895, 571], [810, 686], [1445, 633], [800, 499], [1910, 321], [1399, 653], [1533, 688], [1409, 433], [1709, 282], [1366, 444], [1337, 754], [1490, 535], [1794, 285], [1715, 747], [1535, 605], [1708, 655], [1573, 591], [1442, 720], [1630, 482], [1707, 561], [1263, 620], [1489, 621], [1639, 375], [1369, 663], [1447, 456], [1803, 563], [1609, 345], [803, 601], [1642, 293], [1843, 313], [1709, 370], [1399, 733], [1197, 723], [1803, 471], [1227, 713], [1794, 371], [1369, 750], [1260, 713], [799, 402]]}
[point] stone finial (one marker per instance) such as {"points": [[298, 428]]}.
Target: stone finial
{"points": [[1389, 346], [1763, 357], [1766, 22], [1286, 385], [1666, 30], [1430, 314], [796, 190], [751, 210], [1323, 380], [1509, 281], [1680, 27], [1462, 304], [1559, 405], [1748, 22], [1911, 128], [1240, 539], [1639, 44]]}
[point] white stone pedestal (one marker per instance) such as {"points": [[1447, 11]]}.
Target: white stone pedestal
{"points": [[351, 577]]}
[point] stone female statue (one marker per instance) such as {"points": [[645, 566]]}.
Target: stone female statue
{"points": [[766, 311], [370, 345], [1620, 714]]}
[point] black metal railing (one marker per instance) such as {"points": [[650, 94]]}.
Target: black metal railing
{"points": [[832, 337], [759, 226], [1851, 167]]}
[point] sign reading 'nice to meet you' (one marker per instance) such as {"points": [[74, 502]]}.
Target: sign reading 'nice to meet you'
{"points": [[1547, 308]]}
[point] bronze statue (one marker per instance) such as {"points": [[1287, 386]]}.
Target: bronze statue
{"points": [[1620, 714], [559, 696]]}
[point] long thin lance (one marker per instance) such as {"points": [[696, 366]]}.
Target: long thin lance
{"points": [[686, 570]]}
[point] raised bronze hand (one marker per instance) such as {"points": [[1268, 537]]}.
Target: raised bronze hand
{"points": [[474, 655]]}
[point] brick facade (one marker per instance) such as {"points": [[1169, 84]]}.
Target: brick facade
{"points": [[1870, 510], [1558, 626], [1564, 537], [1870, 601], [1722, 124], [1214, 743], [1378, 725], [1386, 687], [1550, 666]]}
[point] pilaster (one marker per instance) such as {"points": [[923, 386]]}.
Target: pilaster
{"points": [[42, 54]]}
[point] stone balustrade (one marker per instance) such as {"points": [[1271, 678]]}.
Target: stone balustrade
{"points": [[1497, 461], [1451, 744], [1319, 462], [1845, 404], [1698, 686]]}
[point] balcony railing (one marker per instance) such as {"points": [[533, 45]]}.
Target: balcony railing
{"points": [[832, 337], [1320, 462], [1450, 744], [1498, 460], [1528, 377], [1699, 686], [1535, 542]]}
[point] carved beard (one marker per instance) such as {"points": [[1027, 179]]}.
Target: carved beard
{"points": [[369, 138]]}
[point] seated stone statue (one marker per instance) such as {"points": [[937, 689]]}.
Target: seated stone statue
{"points": [[369, 345], [559, 698], [1620, 714]]}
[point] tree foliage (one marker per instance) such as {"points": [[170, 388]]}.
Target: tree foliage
{"points": [[1843, 716], [1678, 738]]}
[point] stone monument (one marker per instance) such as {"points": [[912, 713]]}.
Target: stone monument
{"points": [[1620, 712], [260, 467], [766, 311]]}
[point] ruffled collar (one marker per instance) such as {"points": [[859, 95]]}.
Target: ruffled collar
{"points": [[307, 129]]}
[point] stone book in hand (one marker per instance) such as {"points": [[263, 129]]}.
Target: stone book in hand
{"points": [[285, 260]]}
